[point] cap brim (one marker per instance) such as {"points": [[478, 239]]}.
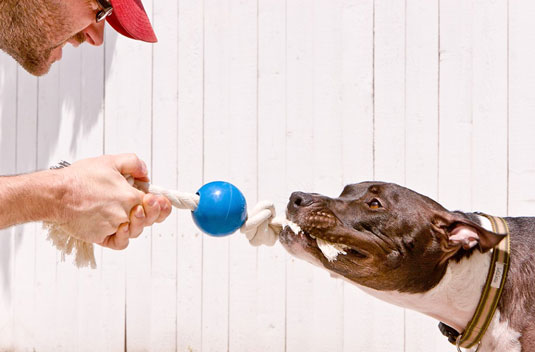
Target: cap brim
{"points": [[130, 19]]}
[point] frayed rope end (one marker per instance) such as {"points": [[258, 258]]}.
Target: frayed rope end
{"points": [[84, 255]]}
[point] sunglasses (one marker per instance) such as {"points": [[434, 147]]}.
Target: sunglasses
{"points": [[106, 10]]}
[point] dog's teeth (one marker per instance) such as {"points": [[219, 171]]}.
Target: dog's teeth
{"points": [[314, 237], [293, 226], [330, 250]]}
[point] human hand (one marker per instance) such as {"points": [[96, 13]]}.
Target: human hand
{"points": [[100, 206], [153, 209]]}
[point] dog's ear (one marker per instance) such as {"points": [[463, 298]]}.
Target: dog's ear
{"points": [[459, 232]]}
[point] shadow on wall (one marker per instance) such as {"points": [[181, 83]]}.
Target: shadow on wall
{"points": [[39, 116], [71, 101]]}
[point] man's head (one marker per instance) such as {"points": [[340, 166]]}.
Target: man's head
{"points": [[34, 32]]}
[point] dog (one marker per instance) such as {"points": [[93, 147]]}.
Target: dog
{"points": [[406, 249]]}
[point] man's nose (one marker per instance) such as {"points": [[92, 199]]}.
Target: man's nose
{"points": [[94, 33]]}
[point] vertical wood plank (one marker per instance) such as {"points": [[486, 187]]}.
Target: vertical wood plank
{"points": [[300, 293], [190, 172], [163, 309], [489, 109], [421, 98], [271, 264], [24, 322], [327, 155], [455, 105], [217, 139], [242, 133], [521, 109], [389, 91], [390, 134]]}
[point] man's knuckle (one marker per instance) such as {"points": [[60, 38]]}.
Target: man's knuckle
{"points": [[135, 197], [133, 159]]}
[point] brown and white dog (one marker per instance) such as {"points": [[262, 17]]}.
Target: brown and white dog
{"points": [[407, 249]]}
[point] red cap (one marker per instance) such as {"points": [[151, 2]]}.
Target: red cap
{"points": [[130, 19]]}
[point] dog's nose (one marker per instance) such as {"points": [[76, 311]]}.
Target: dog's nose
{"points": [[301, 199]]}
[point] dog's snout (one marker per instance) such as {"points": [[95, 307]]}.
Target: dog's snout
{"points": [[300, 199]]}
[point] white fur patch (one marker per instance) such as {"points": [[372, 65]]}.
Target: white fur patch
{"points": [[500, 337]]}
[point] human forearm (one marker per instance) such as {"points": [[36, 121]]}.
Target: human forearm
{"points": [[31, 197]]}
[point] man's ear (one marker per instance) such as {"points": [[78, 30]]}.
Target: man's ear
{"points": [[460, 232]]}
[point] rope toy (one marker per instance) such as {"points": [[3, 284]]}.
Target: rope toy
{"points": [[218, 209]]}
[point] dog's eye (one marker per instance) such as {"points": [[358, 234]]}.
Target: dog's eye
{"points": [[374, 204]]}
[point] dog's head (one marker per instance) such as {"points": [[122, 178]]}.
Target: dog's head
{"points": [[394, 238]]}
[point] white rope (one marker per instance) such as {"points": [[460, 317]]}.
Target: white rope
{"points": [[180, 200], [262, 226]]}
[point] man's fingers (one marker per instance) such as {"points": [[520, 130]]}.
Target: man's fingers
{"points": [[165, 209], [130, 164], [137, 221], [118, 240], [152, 208]]}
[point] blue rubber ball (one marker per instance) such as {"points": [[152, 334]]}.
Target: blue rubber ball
{"points": [[222, 209]]}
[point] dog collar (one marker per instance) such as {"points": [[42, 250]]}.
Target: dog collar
{"points": [[491, 294]]}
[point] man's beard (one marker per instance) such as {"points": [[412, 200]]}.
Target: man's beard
{"points": [[38, 63], [31, 30]]}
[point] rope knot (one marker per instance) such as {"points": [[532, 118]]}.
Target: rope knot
{"points": [[262, 226]]}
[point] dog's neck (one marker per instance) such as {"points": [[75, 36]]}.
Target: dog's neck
{"points": [[455, 298]]}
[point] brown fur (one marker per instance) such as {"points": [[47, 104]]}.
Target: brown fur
{"points": [[518, 300]]}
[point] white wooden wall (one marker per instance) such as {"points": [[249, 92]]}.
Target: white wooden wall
{"points": [[274, 96]]}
